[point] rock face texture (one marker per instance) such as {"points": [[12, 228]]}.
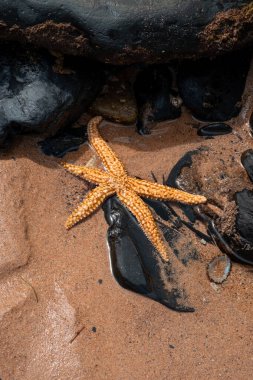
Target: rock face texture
{"points": [[35, 92], [212, 88], [126, 31]]}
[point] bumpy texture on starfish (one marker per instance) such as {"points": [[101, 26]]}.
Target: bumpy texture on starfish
{"points": [[115, 180]]}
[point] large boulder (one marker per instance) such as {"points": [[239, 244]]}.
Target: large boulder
{"points": [[36, 92], [126, 31]]}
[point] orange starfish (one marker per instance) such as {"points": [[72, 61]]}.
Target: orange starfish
{"points": [[115, 180]]}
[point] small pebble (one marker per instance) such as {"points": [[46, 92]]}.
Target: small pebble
{"points": [[214, 129], [219, 268]]}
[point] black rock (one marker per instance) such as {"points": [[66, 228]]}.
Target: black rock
{"points": [[156, 100], [212, 89], [127, 31], [33, 96], [247, 161], [244, 220], [251, 123], [214, 129], [241, 243], [64, 141]]}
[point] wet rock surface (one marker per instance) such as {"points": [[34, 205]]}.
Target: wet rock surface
{"points": [[212, 89], [33, 96], [127, 31]]}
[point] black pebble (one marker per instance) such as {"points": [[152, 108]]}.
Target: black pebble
{"points": [[247, 161], [214, 129], [94, 329]]}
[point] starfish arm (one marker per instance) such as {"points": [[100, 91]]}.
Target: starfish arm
{"points": [[93, 175], [107, 156], [144, 216], [156, 191], [91, 202]]}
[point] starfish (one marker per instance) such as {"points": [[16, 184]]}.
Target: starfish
{"points": [[115, 180]]}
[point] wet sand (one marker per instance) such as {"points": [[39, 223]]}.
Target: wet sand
{"points": [[63, 316]]}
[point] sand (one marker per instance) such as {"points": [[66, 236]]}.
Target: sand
{"points": [[62, 314]]}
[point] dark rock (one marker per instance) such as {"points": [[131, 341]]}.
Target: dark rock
{"points": [[241, 242], [214, 129], [251, 123], [247, 161], [212, 89], [66, 140], [244, 220], [127, 31], [156, 100], [33, 96]]}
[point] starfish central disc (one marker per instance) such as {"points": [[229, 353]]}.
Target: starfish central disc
{"points": [[115, 180]]}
